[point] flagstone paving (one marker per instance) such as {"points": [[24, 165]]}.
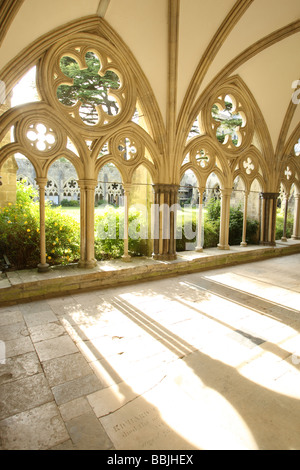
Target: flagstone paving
{"points": [[207, 360]]}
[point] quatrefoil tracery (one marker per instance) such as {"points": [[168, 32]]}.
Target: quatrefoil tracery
{"points": [[248, 165], [41, 137]]}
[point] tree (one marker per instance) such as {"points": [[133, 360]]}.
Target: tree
{"points": [[88, 87], [229, 122]]}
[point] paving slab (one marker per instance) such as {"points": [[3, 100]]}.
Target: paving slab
{"points": [[209, 360], [40, 429]]}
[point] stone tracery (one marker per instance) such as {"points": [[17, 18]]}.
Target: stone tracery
{"points": [[115, 138]]}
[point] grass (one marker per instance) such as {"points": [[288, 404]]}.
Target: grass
{"points": [[75, 211]]}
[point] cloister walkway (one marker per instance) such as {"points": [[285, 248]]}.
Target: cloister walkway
{"points": [[205, 360]]}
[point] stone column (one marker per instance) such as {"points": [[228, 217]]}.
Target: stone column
{"points": [[243, 242], [87, 217], [126, 257], [200, 238], [164, 230], [286, 208], [43, 266], [296, 228], [224, 222], [8, 171], [268, 218]]}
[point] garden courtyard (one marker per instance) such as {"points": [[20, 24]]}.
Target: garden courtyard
{"points": [[208, 360]]}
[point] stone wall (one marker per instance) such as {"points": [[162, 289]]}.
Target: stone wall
{"points": [[8, 170]]}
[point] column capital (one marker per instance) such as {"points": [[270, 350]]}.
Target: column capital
{"points": [[165, 188], [87, 183], [226, 191], [41, 181], [126, 187], [269, 195]]}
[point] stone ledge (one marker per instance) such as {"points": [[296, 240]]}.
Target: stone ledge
{"points": [[29, 285]]}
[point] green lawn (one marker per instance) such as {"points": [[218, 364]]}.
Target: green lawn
{"points": [[189, 213], [75, 211]]}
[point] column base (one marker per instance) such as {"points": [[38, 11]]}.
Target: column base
{"points": [[243, 244], [223, 247], [126, 258], [268, 243], [87, 264], [199, 249], [294, 237], [43, 268], [165, 257], [283, 239]]}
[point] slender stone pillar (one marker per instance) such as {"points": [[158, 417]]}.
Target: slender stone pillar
{"points": [[200, 240], [268, 218], [87, 218], [126, 257], [224, 222], [286, 208], [296, 228], [165, 212], [243, 242], [43, 265]]}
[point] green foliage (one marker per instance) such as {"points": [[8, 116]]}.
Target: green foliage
{"points": [[62, 237], [26, 193], [280, 222], [88, 87], [20, 232], [19, 229], [109, 234], [212, 227], [67, 203], [229, 125], [213, 209]]}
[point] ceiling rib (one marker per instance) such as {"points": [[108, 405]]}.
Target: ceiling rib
{"points": [[102, 8]]}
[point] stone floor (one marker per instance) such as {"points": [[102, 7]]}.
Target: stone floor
{"points": [[208, 360]]}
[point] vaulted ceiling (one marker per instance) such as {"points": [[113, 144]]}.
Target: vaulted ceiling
{"points": [[194, 44]]}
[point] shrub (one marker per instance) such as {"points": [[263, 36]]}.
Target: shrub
{"points": [[212, 227], [62, 237], [213, 209], [280, 222], [20, 232], [71, 203], [109, 228]]}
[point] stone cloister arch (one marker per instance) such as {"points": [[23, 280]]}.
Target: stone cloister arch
{"points": [[42, 131], [160, 145]]}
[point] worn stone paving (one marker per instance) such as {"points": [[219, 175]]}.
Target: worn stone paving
{"points": [[207, 360]]}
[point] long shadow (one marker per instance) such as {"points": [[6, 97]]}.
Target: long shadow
{"points": [[163, 436], [264, 344], [251, 301], [272, 418]]}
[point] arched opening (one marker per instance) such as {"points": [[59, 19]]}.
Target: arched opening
{"points": [[212, 210], [109, 220], [19, 216], [187, 212], [62, 221], [140, 212], [285, 212]]}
